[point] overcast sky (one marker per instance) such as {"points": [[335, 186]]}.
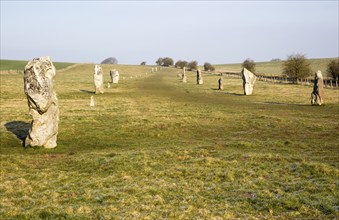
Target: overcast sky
{"points": [[134, 31]]}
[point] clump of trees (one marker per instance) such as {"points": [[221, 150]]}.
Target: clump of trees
{"points": [[181, 64], [166, 61], [208, 67], [297, 66], [159, 61], [193, 65], [249, 65], [143, 63], [275, 60], [333, 69], [110, 60]]}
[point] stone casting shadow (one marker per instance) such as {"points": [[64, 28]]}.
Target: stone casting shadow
{"points": [[86, 91], [19, 128]]}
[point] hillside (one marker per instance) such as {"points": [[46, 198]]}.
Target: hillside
{"points": [[275, 67], [20, 65]]}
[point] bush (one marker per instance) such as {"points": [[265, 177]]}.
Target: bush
{"points": [[333, 69], [297, 66], [208, 67], [181, 64], [249, 65], [193, 65], [143, 63]]}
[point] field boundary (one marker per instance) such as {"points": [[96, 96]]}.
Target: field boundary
{"points": [[328, 82]]}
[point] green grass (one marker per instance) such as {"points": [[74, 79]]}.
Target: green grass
{"points": [[19, 65], [155, 148], [275, 68]]}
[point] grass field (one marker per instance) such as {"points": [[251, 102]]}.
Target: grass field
{"points": [[155, 148], [19, 65], [275, 68]]}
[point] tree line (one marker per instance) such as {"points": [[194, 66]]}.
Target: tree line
{"points": [[296, 66]]}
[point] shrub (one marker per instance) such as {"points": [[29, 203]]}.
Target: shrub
{"points": [[333, 69], [249, 64], [208, 67], [143, 63], [193, 65], [181, 64], [297, 66]]}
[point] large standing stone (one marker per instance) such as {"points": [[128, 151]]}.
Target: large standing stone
{"points": [[317, 96], [248, 81], [199, 78], [98, 79], [220, 82], [42, 103], [114, 76]]}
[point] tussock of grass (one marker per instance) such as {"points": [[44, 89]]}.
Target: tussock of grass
{"points": [[155, 148]]}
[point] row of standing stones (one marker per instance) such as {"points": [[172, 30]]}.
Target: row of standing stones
{"points": [[249, 80], [43, 101], [99, 78]]}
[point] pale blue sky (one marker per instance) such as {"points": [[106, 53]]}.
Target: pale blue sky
{"points": [[135, 31]]}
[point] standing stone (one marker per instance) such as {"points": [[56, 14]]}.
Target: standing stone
{"points": [[92, 102], [220, 82], [199, 78], [98, 79], [317, 96], [248, 81], [42, 103], [114, 76], [183, 76]]}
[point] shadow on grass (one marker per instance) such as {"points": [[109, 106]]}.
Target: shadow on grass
{"points": [[280, 103], [228, 93], [19, 128], [86, 91]]}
